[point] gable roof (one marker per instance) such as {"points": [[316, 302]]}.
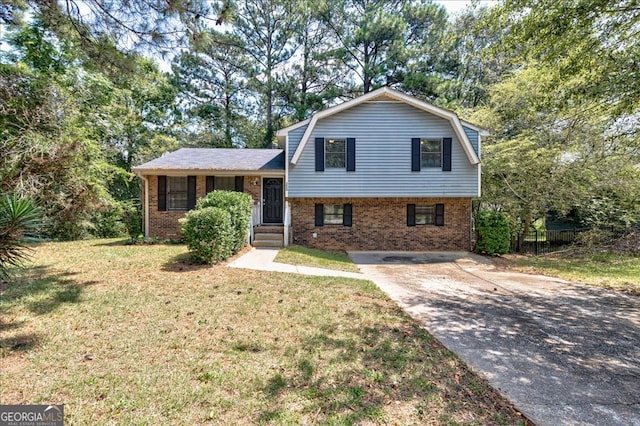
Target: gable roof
{"points": [[222, 159], [387, 93]]}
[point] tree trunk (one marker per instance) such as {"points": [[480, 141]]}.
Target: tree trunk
{"points": [[366, 72], [525, 230]]}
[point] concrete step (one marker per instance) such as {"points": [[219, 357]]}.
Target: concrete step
{"points": [[268, 229], [267, 243], [272, 237]]}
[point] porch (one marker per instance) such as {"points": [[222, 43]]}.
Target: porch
{"points": [[268, 234]]}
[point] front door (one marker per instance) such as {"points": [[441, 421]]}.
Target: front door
{"points": [[273, 200]]}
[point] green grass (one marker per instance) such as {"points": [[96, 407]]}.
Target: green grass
{"points": [[297, 255], [126, 334], [615, 271]]}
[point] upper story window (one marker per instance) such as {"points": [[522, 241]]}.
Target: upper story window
{"points": [[177, 198], [430, 153], [335, 153]]}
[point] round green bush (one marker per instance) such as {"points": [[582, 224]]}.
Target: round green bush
{"points": [[208, 234], [493, 233], [238, 204]]}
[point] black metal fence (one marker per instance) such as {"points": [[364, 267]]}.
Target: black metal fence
{"points": [[541, 242]]}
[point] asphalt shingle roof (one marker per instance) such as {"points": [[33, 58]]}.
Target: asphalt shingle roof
{"points": [[217, 159]]}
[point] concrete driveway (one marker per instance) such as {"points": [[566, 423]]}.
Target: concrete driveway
{"points": [[563, 353]]}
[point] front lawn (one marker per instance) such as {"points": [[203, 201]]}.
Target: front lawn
{"points": [[298, 255], [135, 335], [610, 270]]}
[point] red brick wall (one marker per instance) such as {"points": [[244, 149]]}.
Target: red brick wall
{"points": [[381, 224], [164, 224]]}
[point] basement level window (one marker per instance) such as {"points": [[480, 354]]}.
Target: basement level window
{"points": [[333, 214]]}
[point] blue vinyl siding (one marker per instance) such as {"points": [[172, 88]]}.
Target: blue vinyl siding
{"points": [[383, 133], [295, 137], [473, 138]]}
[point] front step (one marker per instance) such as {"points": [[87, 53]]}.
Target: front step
{"points": [[268, 236], [269, 229]]}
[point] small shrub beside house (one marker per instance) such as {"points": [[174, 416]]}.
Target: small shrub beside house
{"points": [[217, 227]]}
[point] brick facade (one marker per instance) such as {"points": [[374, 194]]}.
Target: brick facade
{"points": [[164, 224], [381, 224]]}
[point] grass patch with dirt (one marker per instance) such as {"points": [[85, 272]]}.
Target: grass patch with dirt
{"points": [[126, 334], [605, 269], [298, 255]]}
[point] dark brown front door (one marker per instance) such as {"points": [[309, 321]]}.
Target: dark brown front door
{"points": [[273, 200]]}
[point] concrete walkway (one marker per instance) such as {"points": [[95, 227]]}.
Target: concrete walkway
{"points": [[262, 259], [563, 353]]}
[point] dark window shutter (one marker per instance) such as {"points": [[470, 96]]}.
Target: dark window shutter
{"points": [[351, 154], [191, 192], [446, 154], [211, 183], [319, 214], [239, 183], [347, 215], [411, 215], [439, 214], [319, 154], [162, 193], [415, 154]]}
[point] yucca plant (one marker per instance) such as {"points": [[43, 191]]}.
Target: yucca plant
{"points": [[19, 218]]}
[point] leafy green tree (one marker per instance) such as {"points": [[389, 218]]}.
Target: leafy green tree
{"points": [[313, 77], [69, 133], [211, 78], [546, 155], [383, 42], [594, 43], [265, 29], [468, 66]]}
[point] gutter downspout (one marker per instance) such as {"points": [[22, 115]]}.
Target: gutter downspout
{"points": [[146, 205]]}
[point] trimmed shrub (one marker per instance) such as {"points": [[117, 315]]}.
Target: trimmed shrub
{"points": [[238, 204], [208, 234], [493, 233]]}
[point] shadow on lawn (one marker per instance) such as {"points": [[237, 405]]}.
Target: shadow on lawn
{"points": [[41, 290], [372, 368], [183, 263]]}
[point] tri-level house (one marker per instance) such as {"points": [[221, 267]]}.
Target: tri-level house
{"points": [[384, 171]]}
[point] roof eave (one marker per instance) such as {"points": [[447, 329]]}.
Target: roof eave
{"points": [[199, 172]]}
